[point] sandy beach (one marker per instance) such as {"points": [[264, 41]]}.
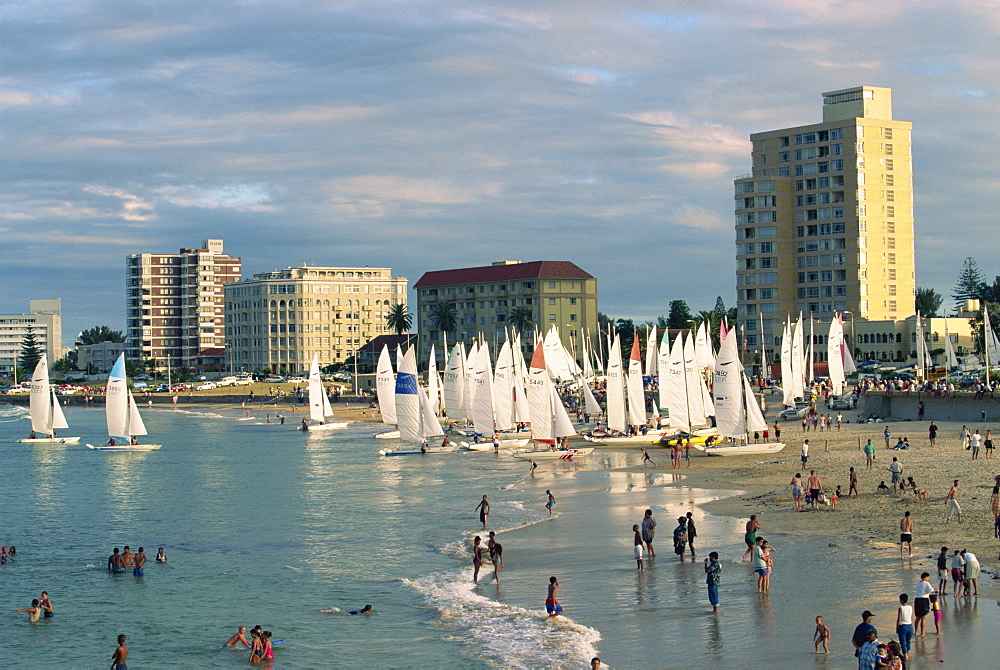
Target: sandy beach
{"points": [[873, 518]]}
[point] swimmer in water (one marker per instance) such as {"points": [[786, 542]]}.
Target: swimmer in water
{"points": [[367, 609], [160, 556], [239, 637], [34, 612]]}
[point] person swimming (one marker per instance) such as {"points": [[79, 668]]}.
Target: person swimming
{"points": [[367, 609]]}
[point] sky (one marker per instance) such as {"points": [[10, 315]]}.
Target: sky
{"points": [[431, 135]]}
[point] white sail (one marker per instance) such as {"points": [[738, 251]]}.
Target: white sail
{"points": [[835, 354], [453, 386], [787, 385], [992, 344], [798, 361], [636, 394], [588, 366], [615, 387], [662, 363], [728, 387], [407, 401], [590, 404], [429, 425], [482, 395], [560, 364], [673, 393], [520, 370], [503, 388], [695, 390], [540, 398], [470, 357], [951, 361], [703, 348], [385, 387], [40, 398], [58, 419], [316, 393], [135, 424], [755, 418], [811, 351], [651, 354], [433, 384], [116, 400], [563, 426]]}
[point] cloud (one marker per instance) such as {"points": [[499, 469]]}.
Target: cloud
{"points": [[133, 207]]}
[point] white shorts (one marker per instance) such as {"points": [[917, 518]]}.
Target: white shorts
{"points": [[638, 551]]}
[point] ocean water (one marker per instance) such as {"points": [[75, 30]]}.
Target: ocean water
{"points": [[264, 524]]}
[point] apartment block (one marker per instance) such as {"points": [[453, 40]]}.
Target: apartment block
{"points": [[44, 317], [557, 293], [824, 223], [279, 320], [174, 303]]}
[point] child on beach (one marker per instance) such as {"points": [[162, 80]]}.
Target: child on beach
{"points": [[637, 542], [821, 636], [834, 499], [936, 611], [551, 501]]}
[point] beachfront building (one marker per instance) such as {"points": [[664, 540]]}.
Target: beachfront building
{"points": [[279, 320], [174, 304], [824, 223], [44, 318], [896, 341], [556, 293], [98, 357]]}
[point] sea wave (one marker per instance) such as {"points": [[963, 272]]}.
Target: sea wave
{"points": [[11, 413], [504, 635]]}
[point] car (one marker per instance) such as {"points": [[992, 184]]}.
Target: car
{"points": [[162, 388], [274, 379], [227, 381], [140, 385], [297, 380], [842, 402], [206, 386], [243, 381], [793, 413]]}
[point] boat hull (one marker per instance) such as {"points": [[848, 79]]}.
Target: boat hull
{"points": [[387, 435], [555, 455], [324, 426], [126, 447], [745, 449], [631, 439], [409, 452], [50, 440]]}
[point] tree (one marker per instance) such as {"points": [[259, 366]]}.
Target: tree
{"points": [[928, 301], [398, 318], [711, 321], [31, 351], [66, 363], [720, 307], [520, 319], [444, 316], [99, 334], [679, 315], [990, 292], [626, 333], [970, 283]]}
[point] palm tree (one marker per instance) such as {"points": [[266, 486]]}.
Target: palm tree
{"points": [[398, 318], [711, 319], [444, 316], [520, 319]]}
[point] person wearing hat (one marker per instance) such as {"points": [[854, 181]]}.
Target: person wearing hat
{"points": [[862, 631], [868, 655], [680, 537]]}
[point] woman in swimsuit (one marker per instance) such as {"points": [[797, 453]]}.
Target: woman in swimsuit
{"points": [[797, 490], [256, 647], [268, 651]]}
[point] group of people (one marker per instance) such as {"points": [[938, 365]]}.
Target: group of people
{"points": [[494, 551], [41, 608], [260, 644], [120, 562]]}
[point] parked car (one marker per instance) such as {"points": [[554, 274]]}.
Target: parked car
{"points": [[162, 388], [274, 379], [206, 386], [297, 380], [243, 381], [227, 381], [140, 385], [841, 402]]}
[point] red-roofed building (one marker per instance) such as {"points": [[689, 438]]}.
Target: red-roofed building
{"points": [[557, 293]]}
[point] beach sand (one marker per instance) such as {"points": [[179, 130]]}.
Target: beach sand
{"points": [[873, 517]]}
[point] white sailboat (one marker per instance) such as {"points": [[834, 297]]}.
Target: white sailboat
{"points": [[46, 414], [736, 410], [385, 391], [835, 354], [618, 418], [417, 422], [453, 387], [549, 420], [319, 403], [124, 422]]}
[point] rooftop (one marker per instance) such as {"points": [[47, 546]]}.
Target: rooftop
{"points": [[507, 271]]}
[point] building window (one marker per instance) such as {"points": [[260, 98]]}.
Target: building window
{"points": [[552, 317], [552, 284], [552, 301]]}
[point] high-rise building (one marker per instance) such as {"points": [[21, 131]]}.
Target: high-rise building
{"points": [[279, 320], [174, 303], [824, 223], [45, 321], [555, 293]]}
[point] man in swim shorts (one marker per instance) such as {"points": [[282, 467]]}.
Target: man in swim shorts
{"points": [[906, 533], [138, 562], [750, 537], [484, 511], [121, 654], [115, 562], [552, 605]]}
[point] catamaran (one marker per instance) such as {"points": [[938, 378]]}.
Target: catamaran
{"points": [[414, 413], [385, 388], [319, 403], [124, 422], [46, 414], [616, 389]]}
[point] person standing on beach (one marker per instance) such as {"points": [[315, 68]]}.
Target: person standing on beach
{"points": [[531, 467], [552, 606], [988, 444], [637, 546], [821, 636], [484, 511], [906, 533], [952, 502], [777, 431], [805, 453], [887, 434], [649, 531], [713, 570], [921, 601], [896, 468], [692, 533], [750, 537], [975, 441], [680, 537], [477, 558], [798, 488], [687, 452], [869, 455], [942, 571], [957, 564], [862, 631], [966, 436], [120, 656], [760, 565], [815, 488], [932, 432], [971, 572], [853, 480], [550, 502]]}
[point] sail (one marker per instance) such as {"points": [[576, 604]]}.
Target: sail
{"points": [[588, 366], [560, 364], [651, 354], [755, 418], [58, 419], [787, 386], [385, 387], [992, 345], [116, 400], [540, 398], [951, 361], [695, 391], [590, 404], [835, 354], [703, 348], [40, 398], [433, 383], [728, 386], [673, 393], [662, 362], [429, 425], [135, 424], [316, 393], [453, 386], [407, 403], [503, 388], [636, 395], [520, 372], [615, 387], [482, 396], [798, 361], [563, 425], [469, 358]]}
